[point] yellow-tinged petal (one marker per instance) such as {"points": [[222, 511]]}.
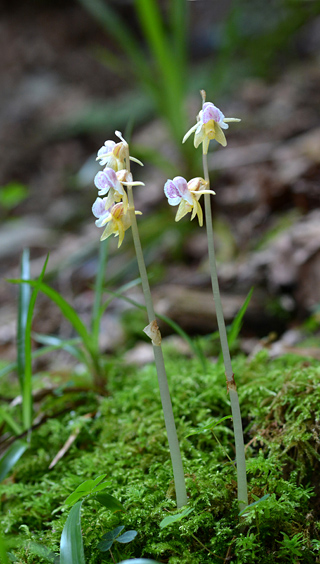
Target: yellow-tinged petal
{"points": [[206, 142], [219, 135], [191, 130], [183, 209], [199, 214], [230, 120], [121, 232], [107, 232]]}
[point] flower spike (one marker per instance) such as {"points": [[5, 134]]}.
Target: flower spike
{"points": [[210, 123]]}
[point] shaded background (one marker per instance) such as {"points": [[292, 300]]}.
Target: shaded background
{"points": [[73, 72]]}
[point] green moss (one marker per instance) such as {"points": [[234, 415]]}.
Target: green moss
{"points": [[126, 439]]}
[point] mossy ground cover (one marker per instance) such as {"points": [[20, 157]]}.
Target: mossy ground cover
{"points": [[125, 439]]}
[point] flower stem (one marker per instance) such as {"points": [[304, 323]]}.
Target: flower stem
{"points": [[231, 385], [178, 473]]}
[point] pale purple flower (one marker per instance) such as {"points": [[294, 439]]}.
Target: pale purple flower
{"points": [[106, 180], [99, 210], [105, 152], [176, 190], [210, 123], [186, 194]]}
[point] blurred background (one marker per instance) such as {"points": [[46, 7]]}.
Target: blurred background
{"points": [[74, 71]]}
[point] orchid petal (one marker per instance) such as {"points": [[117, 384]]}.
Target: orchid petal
{"points": [[191, 130], [172, 193], [99, 208], [219, 135]]}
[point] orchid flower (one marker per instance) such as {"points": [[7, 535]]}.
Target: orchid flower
{"points": [[116, 218], [210, 122], [113, 155], [110, 182], [186, 194]]}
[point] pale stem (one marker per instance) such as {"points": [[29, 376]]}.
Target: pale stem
{"points": [[231, 386], [178, 473]]}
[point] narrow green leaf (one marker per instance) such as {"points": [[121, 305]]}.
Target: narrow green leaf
{"points": [[109, 502], [86, 488], [27, 380], [71, 543], [12, 456], [208, 427], [237, 322], [196, 349], [53, 342], [177, 517], [115, 26], [7, 417], [23, 306], [67, 310], [128, 536], [100, 487], [99, 479], [253, 504], [44, 350]]}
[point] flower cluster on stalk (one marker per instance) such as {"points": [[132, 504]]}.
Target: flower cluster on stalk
{"points": [[210, 122], [111, 211]]}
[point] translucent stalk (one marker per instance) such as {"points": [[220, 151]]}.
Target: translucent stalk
{"points": [[178, 473], [231, 385]]}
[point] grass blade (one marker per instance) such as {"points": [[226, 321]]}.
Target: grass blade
{"points": [[9, 459], [194, 347], [7, 417], [115, 26], [236, 325], [54, 343], [71, 543], [98, 291], [23, 306], [27, 383], [44, 350], [67, 310]]}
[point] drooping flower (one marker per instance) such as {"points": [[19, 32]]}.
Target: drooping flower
{"points": [[186, 194], [115, 218], [107, 183], [110, 182], [113, 155], [210, 122]]}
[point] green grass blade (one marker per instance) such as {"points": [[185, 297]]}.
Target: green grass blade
{"points": [[7, 417], [171, 79], [9, 459], [23, 306], [195, 347], [98, 291], [179, 19], [67, 310], [122, 289], [12, 366], [237, 322], [27, 384], [71, 543], [55, 343], [115, 26]]}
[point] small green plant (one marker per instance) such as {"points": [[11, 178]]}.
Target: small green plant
{"points": [[71, 543], [113, 536]]}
